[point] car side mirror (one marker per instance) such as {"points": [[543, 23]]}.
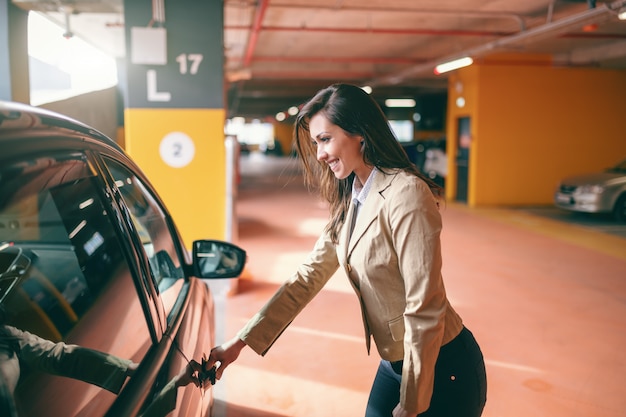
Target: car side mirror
{"points": [[217, 259]]}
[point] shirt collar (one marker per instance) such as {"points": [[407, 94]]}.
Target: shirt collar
{"points": [[360, 191]]}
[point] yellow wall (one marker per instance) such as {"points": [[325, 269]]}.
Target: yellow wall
{"points": [[283, 133], [194, 194], [533, 125]]}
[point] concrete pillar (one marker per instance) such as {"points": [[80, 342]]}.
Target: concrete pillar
{"points": [[14, 73]]}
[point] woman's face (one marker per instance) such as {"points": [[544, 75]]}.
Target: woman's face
{"points": [[342, 152]]}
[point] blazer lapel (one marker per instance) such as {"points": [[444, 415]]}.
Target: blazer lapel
{"points": [[369, 211], [344, 237]]}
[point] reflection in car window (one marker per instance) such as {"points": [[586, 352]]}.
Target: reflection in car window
{"points": [[152, 227], [64, 277]]}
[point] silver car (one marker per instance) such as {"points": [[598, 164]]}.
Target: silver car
{"points": [[602, 192]]}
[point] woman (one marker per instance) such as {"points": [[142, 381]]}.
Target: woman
{"points": [[384, 231]]}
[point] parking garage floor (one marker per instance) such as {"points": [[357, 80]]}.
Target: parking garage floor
{"points": [[545, 298]]}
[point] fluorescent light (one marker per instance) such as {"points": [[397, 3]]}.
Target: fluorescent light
{"points": [[400, 102], [452, 65]]}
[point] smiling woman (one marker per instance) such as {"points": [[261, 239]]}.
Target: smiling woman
{"points": [[62, 67]]}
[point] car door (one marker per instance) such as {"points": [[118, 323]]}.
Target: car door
{"points": [[183, 302]]}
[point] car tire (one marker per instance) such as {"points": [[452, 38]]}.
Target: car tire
{"points": [[619, 211]]}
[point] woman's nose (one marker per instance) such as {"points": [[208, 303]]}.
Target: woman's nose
{"points": [[321, 153]]}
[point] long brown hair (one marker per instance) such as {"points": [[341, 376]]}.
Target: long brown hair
{"points": [[357, 113]]}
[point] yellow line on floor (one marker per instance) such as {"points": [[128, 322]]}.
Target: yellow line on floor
{"points": [[602, 242]]}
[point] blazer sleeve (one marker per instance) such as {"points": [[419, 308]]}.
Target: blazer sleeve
{"points": [[416, 227], [72, 361], [267, 325]]}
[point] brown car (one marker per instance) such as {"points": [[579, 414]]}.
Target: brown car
{"points": [[90, 256]]}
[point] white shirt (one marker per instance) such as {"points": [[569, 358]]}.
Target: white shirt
{"points": [[359, 194]]}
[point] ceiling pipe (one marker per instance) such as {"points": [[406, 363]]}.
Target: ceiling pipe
{"points": [[259, 14], [380, 31], [158, 13], [335, 60], [550, 11], [391, 31], [465, 13], [240, 75], [553, 29], [585, 55]]}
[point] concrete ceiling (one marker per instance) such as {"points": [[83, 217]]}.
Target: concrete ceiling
{"points": [[279, 53]]}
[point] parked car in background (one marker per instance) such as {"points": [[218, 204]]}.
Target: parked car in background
{"points": [[89, 255], [601, 192]]}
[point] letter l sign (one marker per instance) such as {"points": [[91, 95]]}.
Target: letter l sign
{"points": [[153, 94]]}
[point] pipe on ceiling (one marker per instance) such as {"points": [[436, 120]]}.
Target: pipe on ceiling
{"points": [[466, 13], [553, 29], [259, 14], [257, 21], [585, 55], [373, 31], [417, 31]]}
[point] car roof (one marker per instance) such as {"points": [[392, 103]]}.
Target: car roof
{"points": [[18, 120]]}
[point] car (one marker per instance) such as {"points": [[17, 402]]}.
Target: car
{"points": [[601, 192], [90, 256]]}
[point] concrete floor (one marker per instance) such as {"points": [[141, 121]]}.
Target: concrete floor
{"points": [[546, 301]]}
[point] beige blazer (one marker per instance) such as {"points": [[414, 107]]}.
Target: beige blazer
{"points": [[393, 260]]}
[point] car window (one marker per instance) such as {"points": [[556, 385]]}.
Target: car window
{"points": [[152, 227], [65, 277]]}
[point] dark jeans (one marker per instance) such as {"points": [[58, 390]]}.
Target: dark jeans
{"points": [[460, 388]]}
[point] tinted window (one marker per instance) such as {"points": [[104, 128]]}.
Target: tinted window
{"points": [[64, 276], [152, 227]]}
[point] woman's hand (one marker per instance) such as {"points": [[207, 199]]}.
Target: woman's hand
{"points": [[401, 412], [225, 355]]}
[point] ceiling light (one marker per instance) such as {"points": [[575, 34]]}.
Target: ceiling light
{"points": [[400, 102], [453, 65], [621, 15]]}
